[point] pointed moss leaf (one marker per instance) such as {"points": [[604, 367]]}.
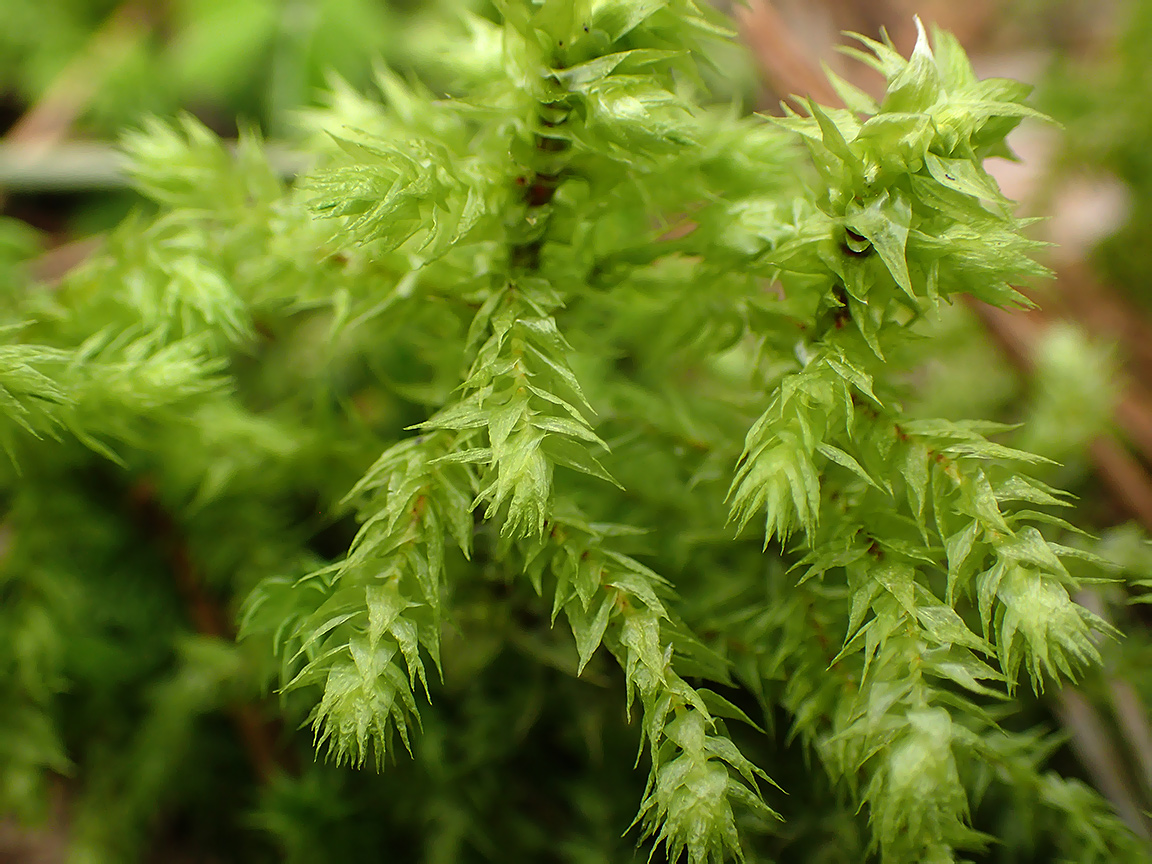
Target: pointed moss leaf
{"points": [[745, 796], [898, 141], [384, 606], [544, 333], [883, 57], [481, 320], [639, 590], [557, 401], [963, 430], [564, 374], [982, 449], [916, 87], [990, 108], [576, 77], [846, 461], [853, 374], [805, 126], [862, 597], [899, 580], [321, 628], [589, 578], [946, 627], [1097, 561], [987, 587], [959, 665], [884, 221], [865, 319], [616, 18], [1020, 488], [568, 427], [956, 71], [503, 420], [721, 707], [588, 628], [959, 548], [473, 455], [964, 176], [833, 138], [1029, 546], [855, 99], [821, 561], [914, 470], [907, 549], [466, 414], [570, 454], [982, 503], [1023, 517], [724, 749], [853, 644]]}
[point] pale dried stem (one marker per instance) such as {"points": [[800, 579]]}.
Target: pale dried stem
{"points": [[50, 119], [1125, 477], [786, 68], [1098, 754]]}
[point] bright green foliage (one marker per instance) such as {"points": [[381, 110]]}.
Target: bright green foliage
{"points": [[577, 331], [255, 58], [380, 606]]}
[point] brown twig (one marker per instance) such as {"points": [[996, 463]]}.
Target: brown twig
{"points": [[52, 266], [1131, 715], [1098, 754], [50, 119], [786, 68], [1083, 297], [258, 736], [1125, 477]]}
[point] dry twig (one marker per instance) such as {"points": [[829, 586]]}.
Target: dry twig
{"points": [[258, 736], [49, 120]]}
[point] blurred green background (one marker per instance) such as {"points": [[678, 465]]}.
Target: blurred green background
{"points": [[76, 74]]}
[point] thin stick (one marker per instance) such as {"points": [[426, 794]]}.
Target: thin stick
{"points": [[1124, 476], [60, 167], [1100, 757], [1128, 709], [259, 737], [93, 166], [786, 68], [49, 121], [51, 118]]}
